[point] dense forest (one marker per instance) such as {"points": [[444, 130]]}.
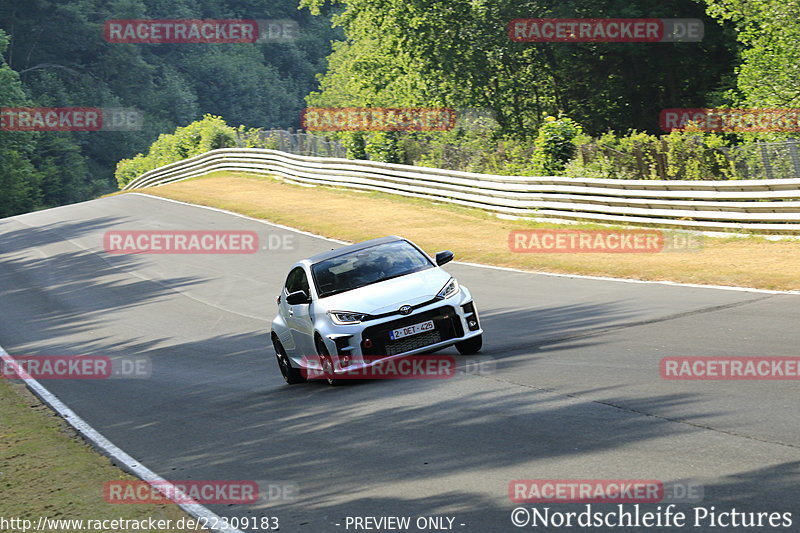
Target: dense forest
{"points": [[54, 55], [370, 53]]}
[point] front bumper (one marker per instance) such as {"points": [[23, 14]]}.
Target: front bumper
{"points": [[455, 320]]}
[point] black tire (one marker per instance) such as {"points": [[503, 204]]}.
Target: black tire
{"points": [[327, 364], [470, 346], [290, 374]]}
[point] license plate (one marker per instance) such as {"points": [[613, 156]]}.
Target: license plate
{"points": [[414, 329]]}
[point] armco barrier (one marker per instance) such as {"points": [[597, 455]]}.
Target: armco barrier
{"points": [[752, 206]]}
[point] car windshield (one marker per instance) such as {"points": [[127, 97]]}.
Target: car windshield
{"points": [[365, 267]]}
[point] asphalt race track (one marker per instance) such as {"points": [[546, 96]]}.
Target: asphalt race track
{"points": [[574, 390]]}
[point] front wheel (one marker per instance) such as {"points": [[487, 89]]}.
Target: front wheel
{"points": [[289, 373], [470, 346]]}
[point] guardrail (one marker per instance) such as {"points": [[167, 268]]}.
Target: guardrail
{"points": [[752, 206]]}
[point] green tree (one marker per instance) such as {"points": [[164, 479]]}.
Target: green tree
{"points": [[458, 53], [61, 59], [770, 33], [19, 180]]}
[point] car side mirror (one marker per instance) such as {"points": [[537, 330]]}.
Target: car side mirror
{"points": [[297, 298], [443, 257]]}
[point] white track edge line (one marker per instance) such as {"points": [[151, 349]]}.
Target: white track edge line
{"points": [[507, 269], [99, 441]]}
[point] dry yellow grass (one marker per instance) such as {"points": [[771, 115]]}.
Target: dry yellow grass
{"points": [[46, 471], [482, 238]]}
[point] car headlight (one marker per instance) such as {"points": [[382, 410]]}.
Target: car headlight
{"points": [[344, 318], [450, 288]]}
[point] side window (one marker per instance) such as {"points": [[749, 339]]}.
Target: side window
{"points": [[297, 281]]}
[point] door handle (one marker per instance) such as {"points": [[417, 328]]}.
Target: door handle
{"points": [[291, 312]]}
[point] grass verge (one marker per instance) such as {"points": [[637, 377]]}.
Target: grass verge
{"points": [[46, 470], [479, 237]]}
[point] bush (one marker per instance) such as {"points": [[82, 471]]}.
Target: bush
{"points": [[252, 138], [555, 144], [384, 146], [483, 150], [681, 155], [197, 138], [477, 150], [354, 143]]}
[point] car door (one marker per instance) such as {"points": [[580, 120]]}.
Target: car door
{"points": [[298, 317]]}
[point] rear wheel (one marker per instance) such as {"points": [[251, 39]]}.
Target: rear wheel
{"points": [[327, 364], [289, 373], [470, 346]]}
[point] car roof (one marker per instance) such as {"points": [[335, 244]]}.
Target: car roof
{"points": [[352, 248]]}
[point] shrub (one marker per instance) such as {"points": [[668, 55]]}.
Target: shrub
{"points": [[197, 138], [681, 155], [354, 143], [384, 146], [555, 144]]}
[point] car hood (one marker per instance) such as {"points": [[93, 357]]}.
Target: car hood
{"points": [[389, 295]]}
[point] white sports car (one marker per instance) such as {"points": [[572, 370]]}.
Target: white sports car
{"points": [[363, 303]]}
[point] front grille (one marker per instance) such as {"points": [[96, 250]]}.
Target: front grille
{"points": [[446, 323], [413, 342]]}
